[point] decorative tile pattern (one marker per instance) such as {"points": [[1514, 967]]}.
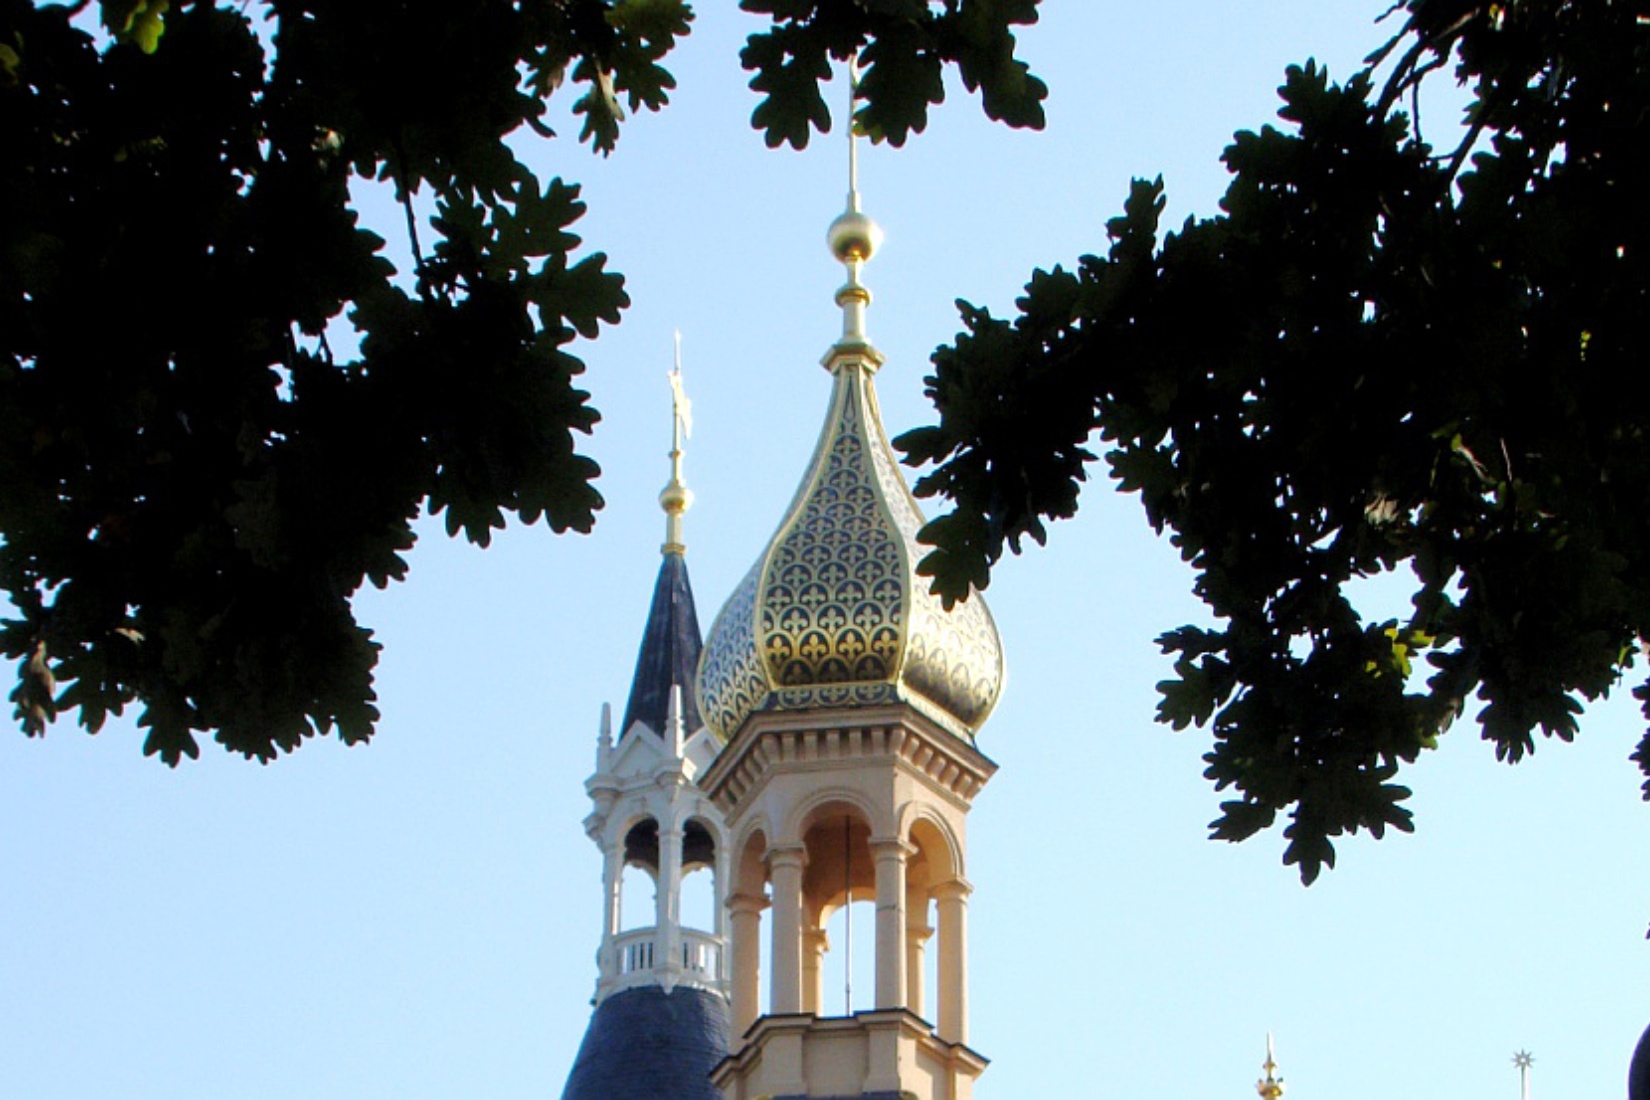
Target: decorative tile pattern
{"points": [[731, 681], [832, 607], [834, 613], [953, 658]]}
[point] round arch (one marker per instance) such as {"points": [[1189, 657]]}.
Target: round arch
{"points": [[701, 841], [639, 843], [806, 813], [750, 870], [934, 840]]}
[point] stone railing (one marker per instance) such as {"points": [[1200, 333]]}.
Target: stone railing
{"points": [[635, 950], [639, 956], [702, 954]]}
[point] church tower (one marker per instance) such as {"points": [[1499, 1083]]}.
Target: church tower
{"points": [[847, 699], [661, 1016]]}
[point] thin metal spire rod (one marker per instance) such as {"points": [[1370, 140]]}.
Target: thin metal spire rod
{"points": [[853, 137], [675, 498], [853, 238], [678, 399], [847, 919]]}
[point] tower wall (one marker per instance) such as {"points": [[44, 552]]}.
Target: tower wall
{"points": [[824, 808]]}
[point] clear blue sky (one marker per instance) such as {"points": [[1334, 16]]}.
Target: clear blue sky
{"points": [[418, 918]]}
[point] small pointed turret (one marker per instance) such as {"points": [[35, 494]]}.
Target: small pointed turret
{"points": [[604, 737], [675, 731], [1270, 1087], [661, 1012], [671, 643]]}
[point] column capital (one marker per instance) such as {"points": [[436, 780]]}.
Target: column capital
{"points": [[956, 889], [746, 903], [787, 855], [889, 847]]}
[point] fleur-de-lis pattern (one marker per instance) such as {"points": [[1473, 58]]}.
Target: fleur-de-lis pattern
{"points": [[954, 658], [833, 613], [833, 608], [730, 670]]}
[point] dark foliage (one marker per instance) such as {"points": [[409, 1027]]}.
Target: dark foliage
{"points": [[1379, 357], [192, 483]]}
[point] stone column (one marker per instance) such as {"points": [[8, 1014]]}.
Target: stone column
{"points": [[814, 945], [889, 855], [745, 917], [719, 893], [667, 904], [785, 874], [607, 963], [953, 961], [917, 932]]}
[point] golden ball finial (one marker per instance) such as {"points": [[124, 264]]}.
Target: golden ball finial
{"points": [[853, 236], [675, 497]]}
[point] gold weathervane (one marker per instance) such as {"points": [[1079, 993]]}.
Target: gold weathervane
{"points": [[675, 498]]}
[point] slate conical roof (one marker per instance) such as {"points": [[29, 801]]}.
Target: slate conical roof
{"points": [[669, 654], [1638, 1077], [646, 1044], [671, 643]]}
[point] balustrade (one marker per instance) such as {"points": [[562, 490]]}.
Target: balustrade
{"points": [[700, 955]]}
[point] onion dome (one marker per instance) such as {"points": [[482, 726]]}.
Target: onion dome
{"points": [[833, 612]]}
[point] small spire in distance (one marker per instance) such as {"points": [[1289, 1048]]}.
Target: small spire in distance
{"points": [[853, 239], [1270, 1087], [1523, 1060], [675, 498]]}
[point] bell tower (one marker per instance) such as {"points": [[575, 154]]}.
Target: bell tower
{"points": [[847, 698], [660, 1019]]}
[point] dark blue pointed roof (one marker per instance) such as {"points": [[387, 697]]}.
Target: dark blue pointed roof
{"points": [[1638, 1078], [646, 1044], [669, 655]]}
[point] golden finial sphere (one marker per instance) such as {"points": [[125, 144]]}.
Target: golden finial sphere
{"points": [[853, 236], [675, 497]]}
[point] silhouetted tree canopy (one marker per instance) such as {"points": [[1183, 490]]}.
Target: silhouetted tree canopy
{"points": [[1380, 357], [193, 482]]}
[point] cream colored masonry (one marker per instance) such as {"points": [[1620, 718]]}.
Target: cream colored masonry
{"points": [[823, 807]]}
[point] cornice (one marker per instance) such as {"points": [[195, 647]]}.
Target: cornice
{"points": [[906, 1023], [792, 742]]}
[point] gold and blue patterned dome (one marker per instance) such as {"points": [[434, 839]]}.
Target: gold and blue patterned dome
{"points": [[833, 612]]}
